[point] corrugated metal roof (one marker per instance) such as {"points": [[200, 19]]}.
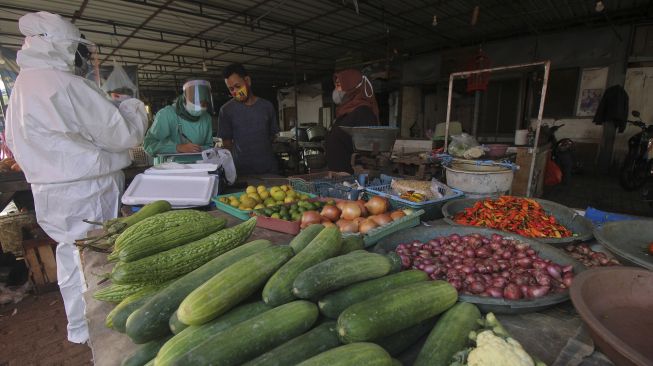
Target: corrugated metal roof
{"points": [[173, 41]]}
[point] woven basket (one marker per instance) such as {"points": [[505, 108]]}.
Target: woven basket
{"points": [[139, 157], [11, 231]]}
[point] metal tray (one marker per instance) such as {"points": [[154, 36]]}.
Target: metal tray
{"points": [[487, 304], [578, 224], [628, 240]]}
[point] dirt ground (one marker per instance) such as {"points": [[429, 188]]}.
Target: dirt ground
{"points": [[33, 332]]}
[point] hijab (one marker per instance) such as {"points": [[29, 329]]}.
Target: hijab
{"points": [[356, 92]]}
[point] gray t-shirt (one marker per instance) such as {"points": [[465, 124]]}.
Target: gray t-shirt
{"points": [[251, 128]]}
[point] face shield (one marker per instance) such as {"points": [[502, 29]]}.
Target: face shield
{"points": [[198, 96], [86, 60]]}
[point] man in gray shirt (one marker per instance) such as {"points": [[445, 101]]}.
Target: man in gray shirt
{"points": [[247, 125]]}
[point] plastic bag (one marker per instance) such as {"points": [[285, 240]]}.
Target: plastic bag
{"points": [[465, 146], [552, 173], [118, 81], [225, 162]]}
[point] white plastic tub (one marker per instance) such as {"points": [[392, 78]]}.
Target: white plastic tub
{"points": [[479, 180]]}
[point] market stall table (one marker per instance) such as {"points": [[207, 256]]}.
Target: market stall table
{"points": [[557, 335]]}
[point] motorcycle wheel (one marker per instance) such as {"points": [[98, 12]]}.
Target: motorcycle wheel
{"points": [[632, 175]]}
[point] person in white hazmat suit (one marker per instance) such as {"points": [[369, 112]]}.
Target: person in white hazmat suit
{"points": [[72, 142]]}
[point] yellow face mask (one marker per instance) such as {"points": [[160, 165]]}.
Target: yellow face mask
{"points": [[240, 94]]}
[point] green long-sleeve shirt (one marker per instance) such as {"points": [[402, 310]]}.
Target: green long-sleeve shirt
{"points": [[164, 135]]}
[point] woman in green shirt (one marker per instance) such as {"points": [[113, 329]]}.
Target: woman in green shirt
{"points": [[185, 126]]}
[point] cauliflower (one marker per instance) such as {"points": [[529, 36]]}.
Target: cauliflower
{"points": [[492, 350]]}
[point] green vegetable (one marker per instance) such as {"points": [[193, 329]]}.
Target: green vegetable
{"points": [[150, 322], [180, 260], [278, 289], [166, 231], [396, 343], [144, 353], [394, 310], [450, 335], [176, 326], [116, 293], [355, 354], [252, 337], [352, 243], [231, 286], [341, 271], [194, 335], [117, 317], [334, 303], [317, 340], [302, 239]]}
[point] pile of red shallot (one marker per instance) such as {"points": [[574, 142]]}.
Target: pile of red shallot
{"points": [[589, 258], [493, 266]]}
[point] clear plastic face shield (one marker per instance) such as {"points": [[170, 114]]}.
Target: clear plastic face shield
{"points": [[198, 96]]}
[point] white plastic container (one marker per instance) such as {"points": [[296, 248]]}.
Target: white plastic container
{"points": [[479, 180], [521, 137], [179, 190]]}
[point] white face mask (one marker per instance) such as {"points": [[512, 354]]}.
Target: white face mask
{"points": [[193, 109], [337, 96]]}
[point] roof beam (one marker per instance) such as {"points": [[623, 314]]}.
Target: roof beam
{"points": [[78, 13], [143, 24]]}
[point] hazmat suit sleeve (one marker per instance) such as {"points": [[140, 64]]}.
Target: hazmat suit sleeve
{"points": [[159, 138], [109, 128]]}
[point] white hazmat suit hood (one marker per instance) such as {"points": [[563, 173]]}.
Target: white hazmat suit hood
{"points": [[72, 143]]}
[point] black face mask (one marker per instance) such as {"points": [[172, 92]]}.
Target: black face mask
{"points": [[82, 54]]}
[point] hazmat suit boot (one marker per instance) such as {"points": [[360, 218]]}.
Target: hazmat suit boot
{"points": [[72, 286]]}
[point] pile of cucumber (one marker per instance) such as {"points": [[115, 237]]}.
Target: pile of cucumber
{"points": [[320, 300]]}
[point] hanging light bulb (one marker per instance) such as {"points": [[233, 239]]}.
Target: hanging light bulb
{"points": [[204, 66], [600, 6]]}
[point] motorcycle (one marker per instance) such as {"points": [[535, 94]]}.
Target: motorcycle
{"points": [[563, 154], [637, 167]]}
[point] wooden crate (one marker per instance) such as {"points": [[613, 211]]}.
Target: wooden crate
{"points": [[41, 263]]}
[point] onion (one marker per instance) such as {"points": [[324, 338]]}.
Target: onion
{"points": [[332, 213], [309, 218], [349, 227], [341, 204], [542, 278], [350, 211], [396, 215], [328, 223], [377, 205], [512, 292], [499, 282], [476, 287], [361, 205], [495, 292], [524, 262], [538, 291], [368, 225], [405, 261], [382, 219], [567, 279], [554, 271]]}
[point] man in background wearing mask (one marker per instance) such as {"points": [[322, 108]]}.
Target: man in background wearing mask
{"points": [[185, 126], [355, 106], [247, 125], [72, 143]]}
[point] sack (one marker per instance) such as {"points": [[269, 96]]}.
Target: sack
{"points": [[552, 173]]}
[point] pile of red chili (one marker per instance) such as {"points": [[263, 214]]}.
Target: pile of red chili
{"points": [[519, 215]]}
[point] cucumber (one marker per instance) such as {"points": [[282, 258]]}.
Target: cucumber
{"points": [[231, 286], [334, 303], [394, 310], [144, 353], [194, 335], [395, 344], [165, 231], [178, 261], [117, 317], [450, 335], [352, 243], [246, 340], [341, 271], [319, 339], [151, 321], [302, 239], [355, 354], [176, 326], [278, 289]]}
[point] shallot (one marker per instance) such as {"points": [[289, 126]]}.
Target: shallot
{"points": [[493, 266]]}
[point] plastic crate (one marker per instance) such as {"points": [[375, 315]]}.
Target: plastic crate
{"points": [[236, 212], [432, 209], [311, 182], [376, 234]]}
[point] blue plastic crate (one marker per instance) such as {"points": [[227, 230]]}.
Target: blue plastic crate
{"points": [[311, 183], [432, 209]]}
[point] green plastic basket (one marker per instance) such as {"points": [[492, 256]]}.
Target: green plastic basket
{"points": [[236, 212], [376, 234]]}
